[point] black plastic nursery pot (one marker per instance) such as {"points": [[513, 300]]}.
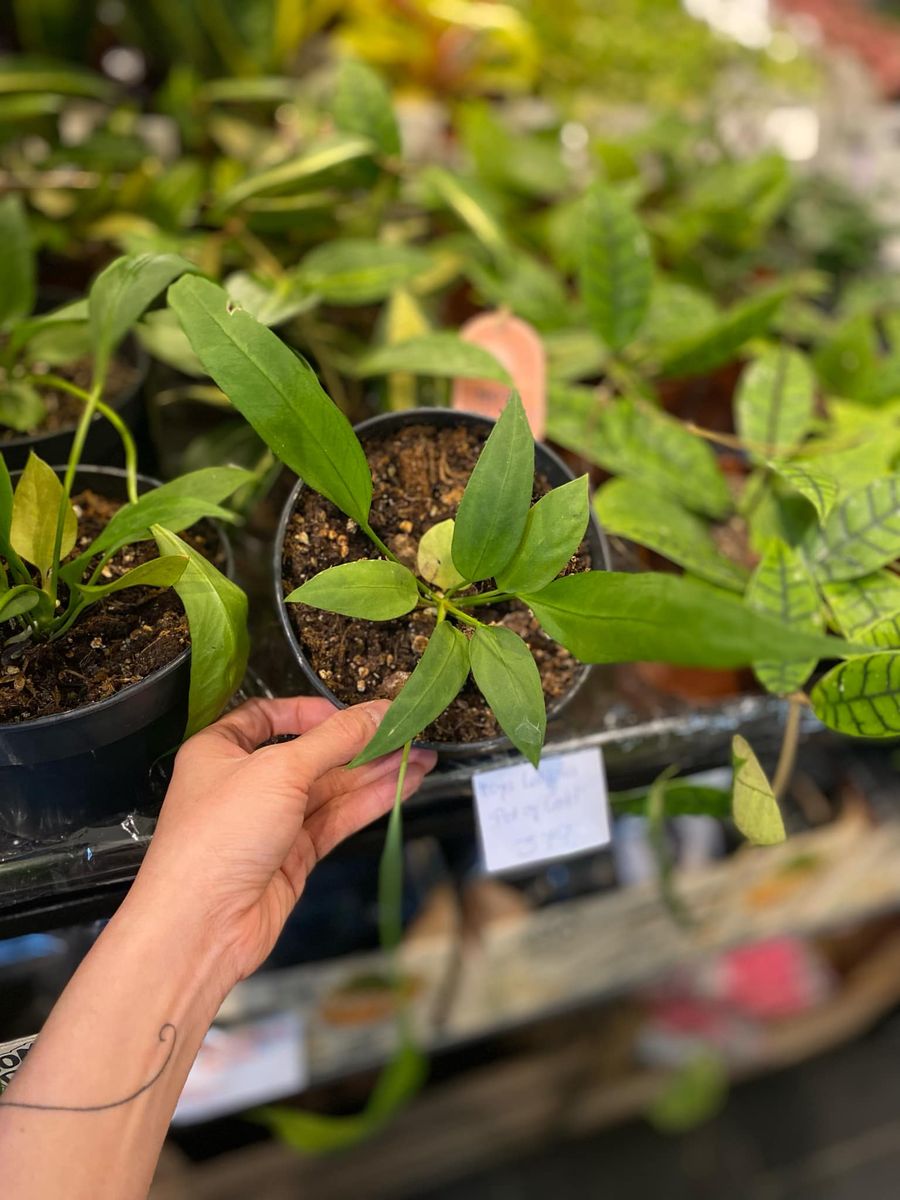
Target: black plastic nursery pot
{"points": [[71, 770], [547, 463], [102, 444]]}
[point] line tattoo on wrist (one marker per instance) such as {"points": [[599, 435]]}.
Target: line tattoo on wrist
{"points": [[167, 1034]]}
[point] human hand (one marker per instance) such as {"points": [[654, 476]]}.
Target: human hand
{"points": [[243, 824]]}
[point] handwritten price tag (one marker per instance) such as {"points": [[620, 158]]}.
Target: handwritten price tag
{"points": [[528, 816]]}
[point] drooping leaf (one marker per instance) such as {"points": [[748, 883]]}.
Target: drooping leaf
{"points": [[122, 291], [867, 610], [21, 406], [216, 612], [494, 507], [362, 105], [277, 393], [631, 438], [175, 505], [337, 152], [370, 588], [22, 598], [719, 343], [553, 532], [359, 270], [781, 586], [16, 262], [819, 487], [607, 616], [34, 513], [861, 534], [774, 401], [616, 266], [631, 510], [753, 805], [158, 572], [438, 676], [508, 678], [861, 697], [434, 559], [441, 354]]}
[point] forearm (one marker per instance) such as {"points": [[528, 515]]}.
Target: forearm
{"points": [[103, 1079]]}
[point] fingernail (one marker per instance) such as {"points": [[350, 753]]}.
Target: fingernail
{"points": [[376, 710]]}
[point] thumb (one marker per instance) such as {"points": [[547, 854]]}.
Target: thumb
{"points": [[335, 741]]}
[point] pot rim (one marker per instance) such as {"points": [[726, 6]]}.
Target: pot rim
{"points": [[36, 440], [427, 416], [10, 728]]}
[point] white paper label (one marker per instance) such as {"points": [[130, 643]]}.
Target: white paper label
{"points": [[244, 1065], [529, 816]]}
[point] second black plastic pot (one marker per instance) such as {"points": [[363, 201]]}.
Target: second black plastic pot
{"points": [[75, 769], [546, 463]]}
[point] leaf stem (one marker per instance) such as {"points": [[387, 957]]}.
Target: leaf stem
{"points": [[495, 597], [464, 617], [390, 869], [789, 744], [78, 441]]}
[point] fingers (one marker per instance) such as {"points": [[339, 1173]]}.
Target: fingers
{"points": [[348, 814], [332, 743], [342, 780], [260, 719]]}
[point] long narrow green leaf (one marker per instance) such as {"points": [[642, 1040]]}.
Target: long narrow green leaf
{"points": [[16, 262], [370, 588], [606, 616], [507, 676], [553, 532], [336, 153], [861, 697], [718, 344], [158, 572], [277, 393], [439, 675], [494, 508], [216, 612], [781, 586], [631, 510], [442, 354], [616, 267]]}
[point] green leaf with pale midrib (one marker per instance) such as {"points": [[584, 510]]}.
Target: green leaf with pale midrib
{"points": [[335, 153], [819, 487], [158, 572], [861, 534], [437, 678], [774, 401], [781, 586], [606, 616], [631, 510], [508, 678], [494, 507], [278, 394], [753, 804], [617, 269], [553, 532], [443, 355], [359, 270], [861, 697], [369, 588], [716, 345]]}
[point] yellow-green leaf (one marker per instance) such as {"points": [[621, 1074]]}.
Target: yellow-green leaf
{"points": [[36, 503], [753, 805], [434, 560]]}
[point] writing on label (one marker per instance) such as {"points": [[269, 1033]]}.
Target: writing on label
{"points": [[528, 816]]}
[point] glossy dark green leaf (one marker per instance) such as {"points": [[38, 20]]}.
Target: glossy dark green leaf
{"points": [[616, 267], [861, 534], [782, 587], [277, 393], [632, 438], [606, 616], [21, 406], [861, 697], [774, 401], [867, 610], [35, 506], [122, 291], [359, 270], [753, 805], [370, 588], [22, 598], [508, 678], [336, 152], [494, 507], [158, 572], [719, 343], [631, 510], [362, 105], [442, 354], [434, 558], [437, 678], [16, 262], [553, 532], [216, 612]]}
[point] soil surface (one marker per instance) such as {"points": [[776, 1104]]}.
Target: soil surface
{"points": [[118, 641], [64, 410], [419, 476]]}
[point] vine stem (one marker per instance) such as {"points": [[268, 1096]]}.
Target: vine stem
{"points": [[789, 744]]}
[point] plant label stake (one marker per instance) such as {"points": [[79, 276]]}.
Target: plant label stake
{"points": [[517, 346], [528, 816]]}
